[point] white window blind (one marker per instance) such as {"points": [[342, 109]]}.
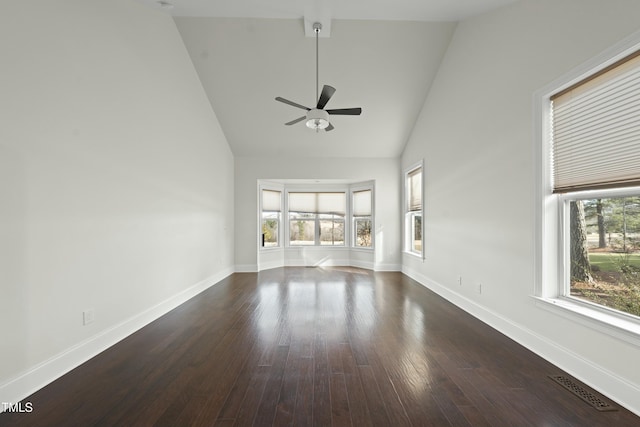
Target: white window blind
{"points": [[271, 201], [596, 130], [321, 203], [362, 203], [414, 189]]}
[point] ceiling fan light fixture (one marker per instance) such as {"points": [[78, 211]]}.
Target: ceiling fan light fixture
{"points": [[317, 124], [317, 119]]}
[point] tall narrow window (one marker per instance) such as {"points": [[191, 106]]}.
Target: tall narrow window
{"points": [[413, 209], [362, 223], [316, 218], [271, 208], [595, 136]]}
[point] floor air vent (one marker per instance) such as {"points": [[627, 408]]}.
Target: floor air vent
{"points": [[592, 399]]}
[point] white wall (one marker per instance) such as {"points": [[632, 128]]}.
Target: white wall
{"points": [[111, 161], [475, 133], [385, 173]]}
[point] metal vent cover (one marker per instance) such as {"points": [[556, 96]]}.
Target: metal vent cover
{"points": [[591, 398]]}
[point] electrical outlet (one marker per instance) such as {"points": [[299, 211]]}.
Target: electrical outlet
{"points": [[88, 316], [459, 280], [479, 288]]}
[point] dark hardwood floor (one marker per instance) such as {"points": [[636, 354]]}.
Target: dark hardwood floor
{"points": [[314, 347]]}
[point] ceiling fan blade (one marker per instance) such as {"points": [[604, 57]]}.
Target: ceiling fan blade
{"points": [[293, 104], [330, 127], [293, 122], [346, 111], [325, 96]]}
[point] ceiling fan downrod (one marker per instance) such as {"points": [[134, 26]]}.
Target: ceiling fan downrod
{"points": [[317, 27]]}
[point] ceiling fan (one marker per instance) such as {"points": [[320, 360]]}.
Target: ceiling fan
{"points": [[318, 118]]}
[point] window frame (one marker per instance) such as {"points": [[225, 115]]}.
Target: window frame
{"points": [[564, 284], [261, 211], [316, 216], [551, 242], [353, 218], [409, 215], [334, 219]]}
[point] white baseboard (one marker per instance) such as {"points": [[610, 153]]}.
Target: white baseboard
{"points": [[325, 263], [367, 265], [387, 267], [246, 268], [595, 376], [32, 380]]}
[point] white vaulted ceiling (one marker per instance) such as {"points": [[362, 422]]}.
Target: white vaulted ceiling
{"points": [[380, 55]]}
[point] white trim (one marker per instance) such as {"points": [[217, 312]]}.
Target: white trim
{"points": [[35, 378], [267, 266], [333, 262], [367, 265], [405, 231], [246, 268], [387, 267], [339, 262], [334, 256], [599, 319], [595, 376]]}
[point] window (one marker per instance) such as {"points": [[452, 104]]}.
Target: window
{"points": [[595, 176], [604, 251], [316, 218], [335, 215], [271, 207], [362, 220], [413, 210]]}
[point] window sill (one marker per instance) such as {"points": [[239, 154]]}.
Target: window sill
{"points": [[318, 247], [621, 326], [272, 248], [413, 254]]}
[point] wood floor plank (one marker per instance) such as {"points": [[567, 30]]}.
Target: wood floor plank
{"points": [[373, 397], [389, 396], [314, 347], [303, 413], [360, 414], [253, 395], [340, 412], [271, 395], [288, 395], [321, 390]]}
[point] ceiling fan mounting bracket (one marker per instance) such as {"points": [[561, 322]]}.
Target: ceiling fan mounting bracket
{"points": [[311, 20]]}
